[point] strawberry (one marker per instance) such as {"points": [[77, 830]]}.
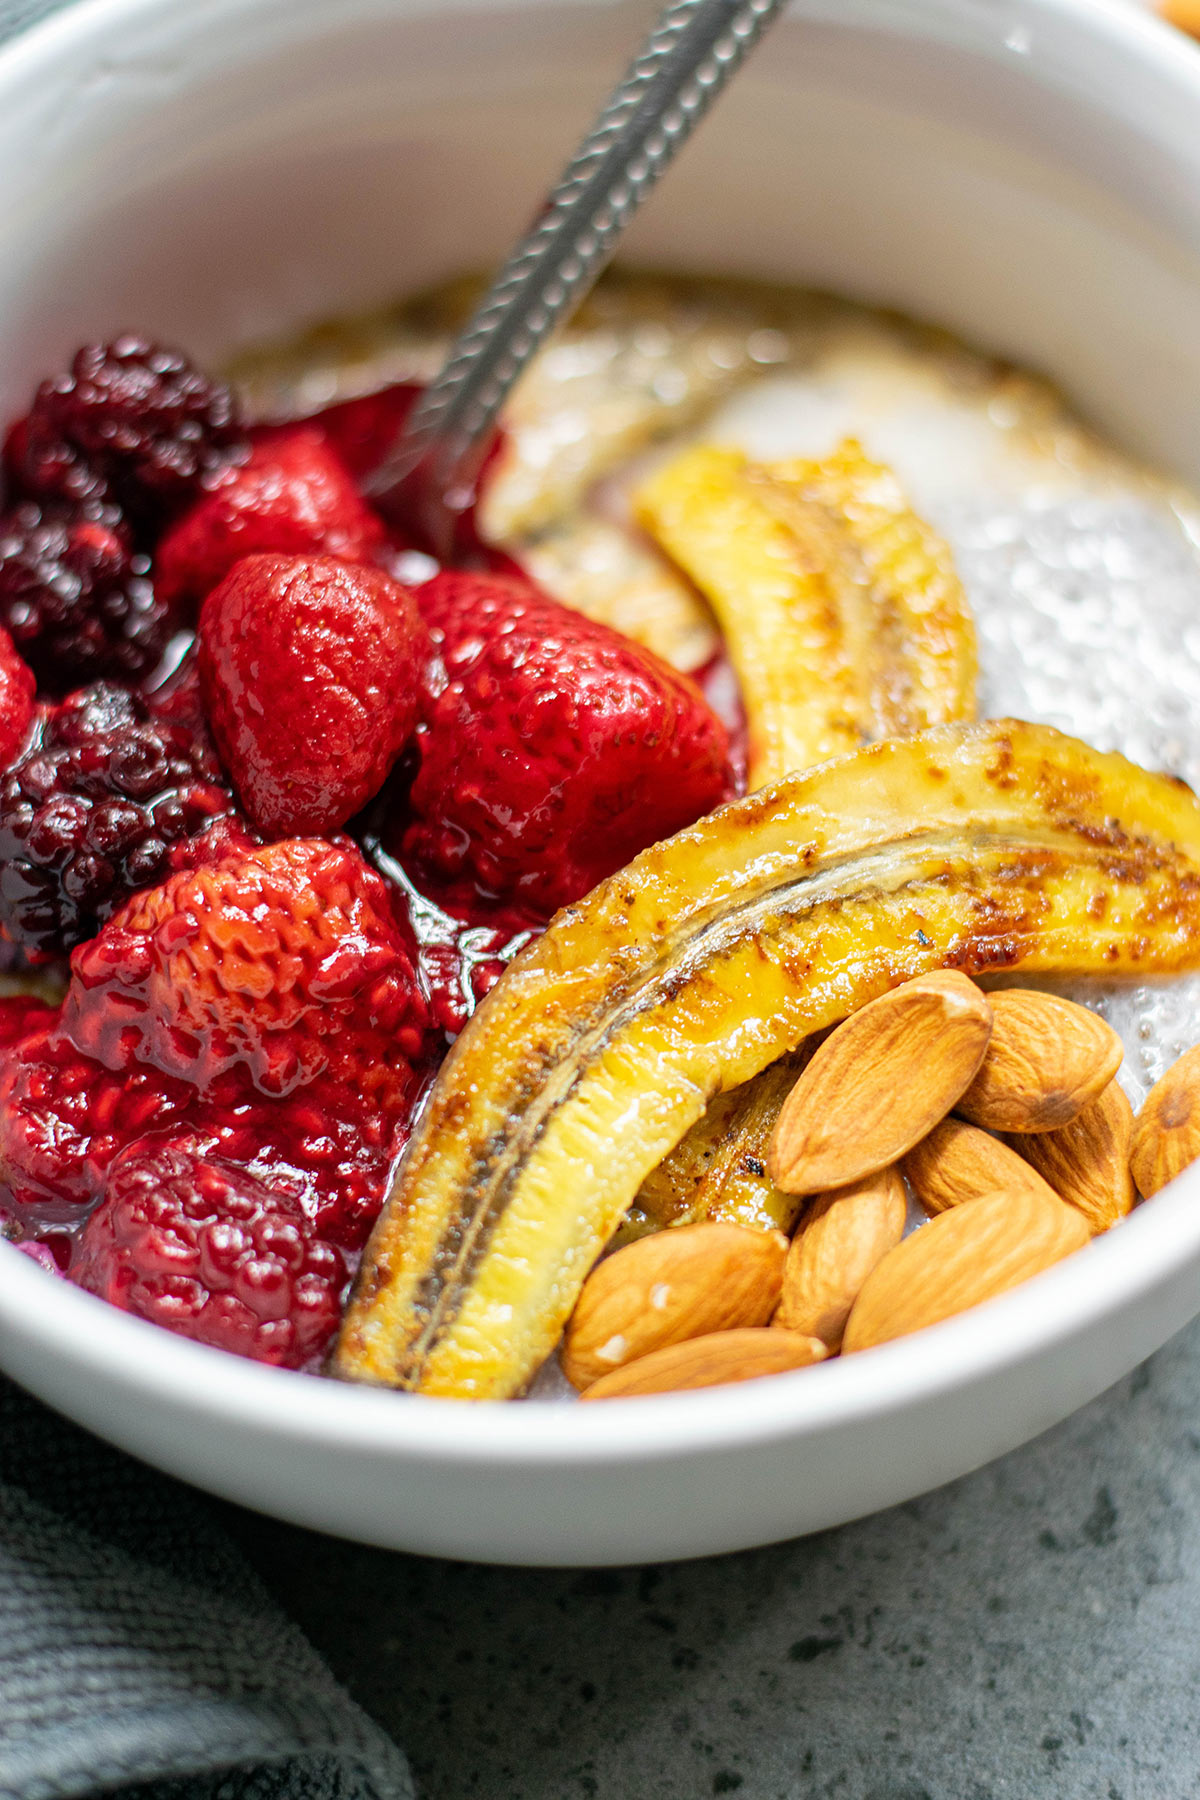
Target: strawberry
{"points": [[16, 701], [292, 496], [269, 1001], [191, 1241], [309, 668], [283, 963], [364, 430], [551, 748]]}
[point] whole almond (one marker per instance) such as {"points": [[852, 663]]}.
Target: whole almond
{"points": [[1087, 1161], [958, 1162], [1166, 1137], [710, 1361], [963, 1257], [1185, 14], [841, 1238], [681, 1283], [1046, 1061], [879, 1082]]}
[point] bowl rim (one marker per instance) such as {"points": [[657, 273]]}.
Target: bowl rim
{"points": [[155, 1366], [1015, 1329]]}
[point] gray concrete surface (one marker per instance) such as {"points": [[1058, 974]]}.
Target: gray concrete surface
{"points": [[1030, 1631]]}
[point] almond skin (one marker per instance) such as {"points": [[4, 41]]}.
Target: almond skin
{"points": [[1166, 1137], [710, 1361], [841, 1238], [958, 1162], [879, 1082], [1047, 1060], [964, 1256], [682, 1283], [1087, 1161]]}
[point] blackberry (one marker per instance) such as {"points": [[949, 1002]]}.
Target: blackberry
{"points": [[131, 423], [92, 810], [76, 598]]}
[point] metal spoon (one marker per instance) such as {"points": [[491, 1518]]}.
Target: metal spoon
{"points": [[672, 81]]}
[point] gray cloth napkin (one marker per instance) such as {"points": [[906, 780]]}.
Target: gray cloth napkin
{"points": [[138, 1653]]}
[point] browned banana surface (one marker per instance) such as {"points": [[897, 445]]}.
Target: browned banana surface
{"points": [[998, 845], [719, 1170], [841, 609]]}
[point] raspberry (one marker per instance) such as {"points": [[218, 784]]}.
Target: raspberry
{"points": [[76, 598], [282, 965], [131, 422], [309, 667], [552, 749], [91, 810], [344, 1145], [292, 497], [17, 690], [63, 1117], [193, 1242]]}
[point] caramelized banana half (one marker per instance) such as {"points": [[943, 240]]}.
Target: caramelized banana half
{"points": [[719, 1170], [979, 847], [841, 610]]}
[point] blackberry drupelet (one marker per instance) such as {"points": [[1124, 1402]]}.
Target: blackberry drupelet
{"points": [[131, 422], [92, 810], [75, 596]]}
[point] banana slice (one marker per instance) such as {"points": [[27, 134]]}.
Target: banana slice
{"points": [[605, 572], [998, 845], [841, 610], [719, 1170]]}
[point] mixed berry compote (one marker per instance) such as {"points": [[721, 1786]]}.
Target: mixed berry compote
{"points": [[272, 823]]}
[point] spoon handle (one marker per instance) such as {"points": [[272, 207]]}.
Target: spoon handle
{"points": [[676, 75]]}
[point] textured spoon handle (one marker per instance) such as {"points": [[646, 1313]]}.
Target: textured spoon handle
{"points": [[681, 68]]}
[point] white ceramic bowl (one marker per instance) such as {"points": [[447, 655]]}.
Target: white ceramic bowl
{"points": [[1026, 171]]}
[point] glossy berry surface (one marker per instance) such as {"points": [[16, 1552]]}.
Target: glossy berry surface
{"points": [[21, 1015], [193, 1242], [63, 1118], [91, 810], [76, 598], [309, 668], [292, 496], [363, 431], [551, 748], [17, 689], [131, 422], [280, 965]]}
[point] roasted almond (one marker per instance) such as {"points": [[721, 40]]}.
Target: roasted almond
{"points": [[1046, 1061], [841, 1238], [964, 1256], [958, 1162], [1166, 1137], [880, 1082], [681, 1283], [1087, 1161], [710, 1361], [1184, 14]]}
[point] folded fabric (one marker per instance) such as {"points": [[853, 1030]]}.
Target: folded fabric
{"points": [[139, 1654]]}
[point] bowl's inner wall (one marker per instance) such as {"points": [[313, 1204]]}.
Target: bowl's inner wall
{"points": [[240, 168]]}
